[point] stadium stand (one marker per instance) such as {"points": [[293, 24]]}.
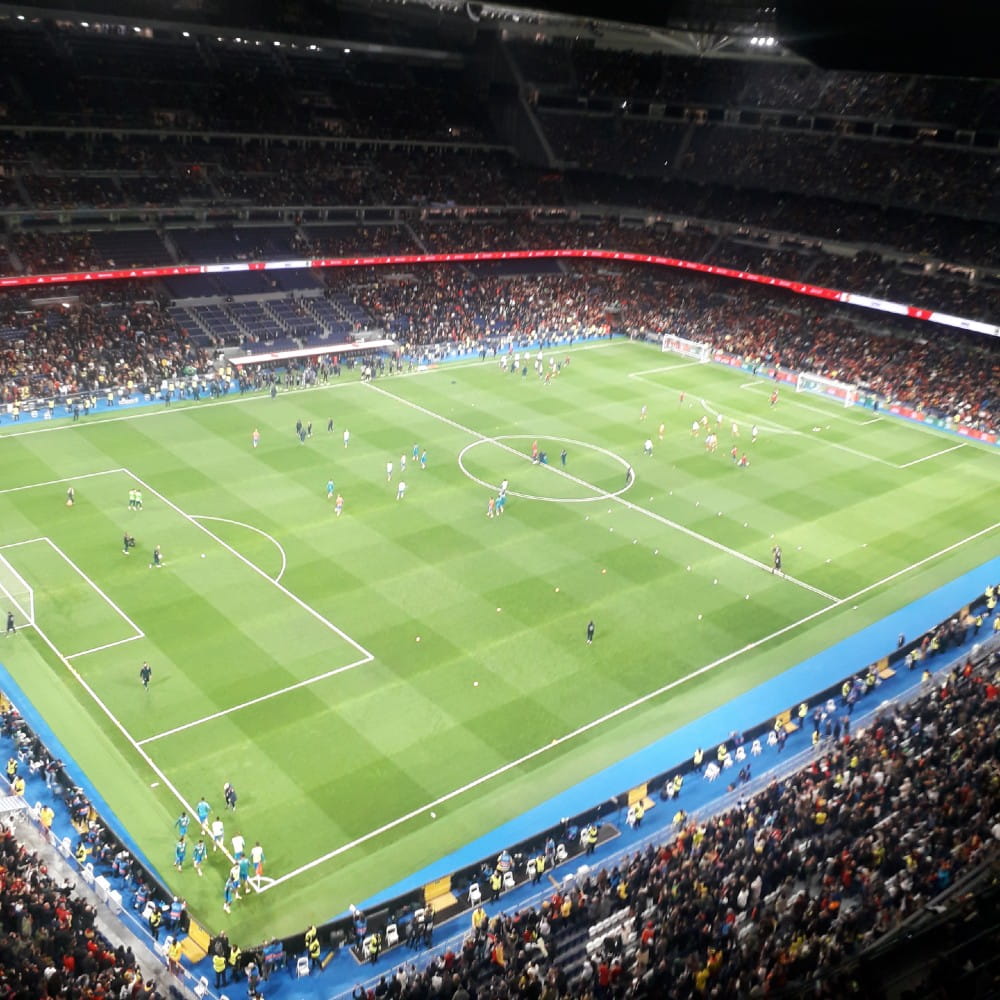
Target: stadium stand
{"points": [[721, 161]]}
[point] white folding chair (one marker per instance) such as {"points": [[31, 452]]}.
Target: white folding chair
{"points": [[201, 988], [475, 894], [391, 935], [508, 880], [103, 887], [302, 967]]}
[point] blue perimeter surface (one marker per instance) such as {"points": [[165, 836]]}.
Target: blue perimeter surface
{"points": [[763, 702]]}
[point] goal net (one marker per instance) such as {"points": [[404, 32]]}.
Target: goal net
{"points": [[822, 386], [15, 595], [689, 348]]}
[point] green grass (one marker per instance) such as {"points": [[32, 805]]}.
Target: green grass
{"points": [[374, 729]]}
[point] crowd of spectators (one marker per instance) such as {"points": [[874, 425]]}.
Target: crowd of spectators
{"points": [[780, 895], [448, 308], [121, 339], [125, 335], [49, 942], [72, 77]]}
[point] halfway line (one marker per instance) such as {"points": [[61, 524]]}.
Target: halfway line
{"points": [[607, 496]]}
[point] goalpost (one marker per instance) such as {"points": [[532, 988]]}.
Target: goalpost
{"points": [[843, 392], [16, 594], [689, 348]]}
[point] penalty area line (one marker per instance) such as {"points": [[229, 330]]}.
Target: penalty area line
{"points": [[621, 710], [107, 645], [927, 458], [254, 701], [308, 608]]}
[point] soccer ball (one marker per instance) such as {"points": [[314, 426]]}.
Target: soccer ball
{"points": [[203, 555]]}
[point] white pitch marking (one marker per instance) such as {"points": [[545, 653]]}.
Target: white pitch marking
{"points": [[107, 645], [260, 531], [663, 368], [936, 454], [139, 634], [864, 423], [530, 496], [254, 701], [78, 677], [621, 710], [54, 482]]}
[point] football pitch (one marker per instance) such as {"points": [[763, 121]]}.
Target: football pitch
{"points": [[384, 686]]}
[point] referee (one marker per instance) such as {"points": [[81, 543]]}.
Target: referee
{"points": [[776, 554]]}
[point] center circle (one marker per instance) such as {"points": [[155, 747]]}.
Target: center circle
{"points": [[553, 468]]}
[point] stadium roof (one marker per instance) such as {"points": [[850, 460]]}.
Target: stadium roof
{"points": [[889, 35]]}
